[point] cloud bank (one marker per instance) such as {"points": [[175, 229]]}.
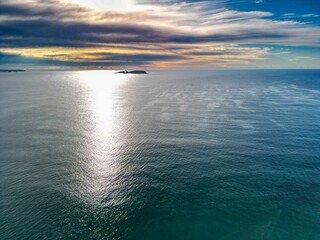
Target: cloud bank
{"points": [[200, 35]]}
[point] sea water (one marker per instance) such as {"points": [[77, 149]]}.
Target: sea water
{"points": [[168, 155]]}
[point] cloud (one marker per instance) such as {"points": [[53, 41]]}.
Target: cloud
{"points": [[310, 15], [16, 60], [294, 15], [157, 35]]}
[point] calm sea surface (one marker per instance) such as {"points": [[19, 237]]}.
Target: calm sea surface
{"points": [[225, 155]]}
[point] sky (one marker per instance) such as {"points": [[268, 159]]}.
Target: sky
{"points": [[163, 34]]}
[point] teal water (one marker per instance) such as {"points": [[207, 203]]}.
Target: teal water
{"points": [[169, 155]]}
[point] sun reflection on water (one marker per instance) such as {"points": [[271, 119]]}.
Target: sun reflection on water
{"points": [[102, 93], [101, 164]]}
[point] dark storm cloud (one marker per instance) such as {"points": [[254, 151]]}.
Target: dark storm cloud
{"points": [[36, 33], [75, 34], [41, 9], [49, 31], [19, 10]]}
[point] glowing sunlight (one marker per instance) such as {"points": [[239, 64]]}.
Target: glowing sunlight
{"points": [[103, 102]]}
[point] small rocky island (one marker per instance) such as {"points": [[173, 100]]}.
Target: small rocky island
{"points": [[12, 70], [133, 72]]}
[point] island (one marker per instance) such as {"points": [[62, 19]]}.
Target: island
{"points": [[133, 72], [12, 70]]}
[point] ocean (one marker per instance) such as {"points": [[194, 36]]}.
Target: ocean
{"points": [[221, 154]]}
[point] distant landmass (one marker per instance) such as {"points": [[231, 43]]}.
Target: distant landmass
{"points": [[12, 70], [133, 72]]}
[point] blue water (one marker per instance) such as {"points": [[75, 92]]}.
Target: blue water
{"points": [[169, 155]]}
